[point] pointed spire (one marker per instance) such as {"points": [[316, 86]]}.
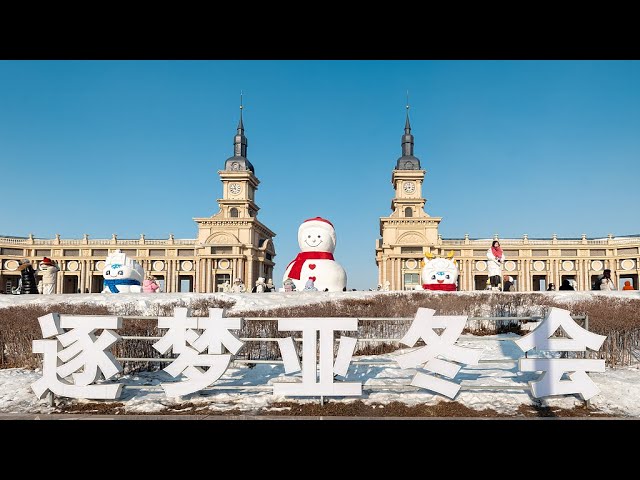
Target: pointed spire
{"points": [[407, 161], [407, 138], [407, 125], [240, 141], [239, 160], [240, 125]]}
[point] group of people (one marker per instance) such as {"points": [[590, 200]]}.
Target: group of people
{"points": [[27, 283], [239, 287], [496, 260]]}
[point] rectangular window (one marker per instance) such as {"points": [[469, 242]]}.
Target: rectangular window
{"points": [[157, 252], [411, 249], [43, 253], [627, 251], [598, 253], [100, 252], [183, 252], [221, 279], [569, 253], [71, 253], [130, 253], [221, 250], [479, 253], [12, 251], [267, 256], [411, 279], [511, 253], [186, 283], [540, 253]]}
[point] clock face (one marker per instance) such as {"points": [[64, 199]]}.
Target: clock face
{"points": [[235, 188], [409, 187]]}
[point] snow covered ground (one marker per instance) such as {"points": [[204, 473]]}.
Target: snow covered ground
{"points": [[258, 301], [620, 388]]}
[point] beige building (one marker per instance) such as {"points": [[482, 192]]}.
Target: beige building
{"points": [[409, 232], [230, 244]]}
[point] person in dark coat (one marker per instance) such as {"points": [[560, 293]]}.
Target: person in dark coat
{"points": [[566, 285], [28, 277]]}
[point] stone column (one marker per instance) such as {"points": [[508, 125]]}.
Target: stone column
{"points": [[249, 281], [383, 277]]}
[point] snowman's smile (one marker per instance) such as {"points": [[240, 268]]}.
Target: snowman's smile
{"points": [[313, 241]]}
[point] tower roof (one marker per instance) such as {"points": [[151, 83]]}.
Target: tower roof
{"points": [[407, 161], [239, 159]]}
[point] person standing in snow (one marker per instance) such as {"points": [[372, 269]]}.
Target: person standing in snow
{"points": [[495, 257], [508, 285], [269, 287], [149, 285], [49, 276], [260, 286], [566, 285], [28, 282], [607, 282], [238, 286], [309, 286], [289, 286]]}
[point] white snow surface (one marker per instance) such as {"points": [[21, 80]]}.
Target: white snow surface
{"points": [[619, 388]]}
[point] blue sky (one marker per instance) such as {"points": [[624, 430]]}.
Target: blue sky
{"points": [[510, 147]]}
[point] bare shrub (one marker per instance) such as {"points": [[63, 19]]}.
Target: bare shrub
{"points": [[617, 318]]}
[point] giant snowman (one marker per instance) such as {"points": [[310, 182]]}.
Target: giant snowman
{"points": [[439, 273], [317, 241], [122, 274]]}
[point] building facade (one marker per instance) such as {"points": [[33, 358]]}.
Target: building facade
{"points": [[409, 232], [230, 244]]}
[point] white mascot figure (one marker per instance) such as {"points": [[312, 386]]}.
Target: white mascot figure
{"points": [[439, 273], [122, 274], [317, 241]]}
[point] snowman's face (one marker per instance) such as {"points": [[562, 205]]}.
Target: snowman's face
{"points": [[439, 271], [315, 239], [115, 270]]}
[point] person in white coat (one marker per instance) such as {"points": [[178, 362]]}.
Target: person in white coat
{"points": [[238, 286], [495, 257], [607, 282], [49, 276]]}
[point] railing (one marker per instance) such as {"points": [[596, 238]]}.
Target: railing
{"points": [[100, 241]]}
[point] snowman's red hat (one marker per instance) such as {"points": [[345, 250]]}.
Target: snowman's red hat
{"points": [[318, 219], [319, 222]]}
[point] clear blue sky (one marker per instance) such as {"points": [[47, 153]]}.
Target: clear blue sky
{"points": [[510, 147]]}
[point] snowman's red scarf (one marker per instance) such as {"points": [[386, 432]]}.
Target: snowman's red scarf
{"points": [[448, 287], [303, 257]]}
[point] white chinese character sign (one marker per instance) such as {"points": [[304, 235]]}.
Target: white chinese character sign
{"points": [[551, 382], [437, 344], [313, 384], [191, 359], [76, 358]]}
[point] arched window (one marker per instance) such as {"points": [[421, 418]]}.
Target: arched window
{"points": [[233, 212], [408, 212]]}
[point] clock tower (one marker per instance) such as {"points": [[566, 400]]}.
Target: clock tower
{"points": [[408, 232], [235, 244]]}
